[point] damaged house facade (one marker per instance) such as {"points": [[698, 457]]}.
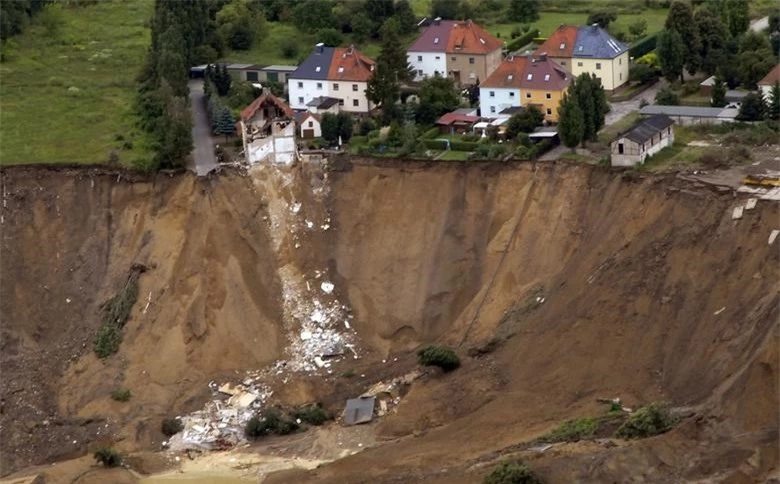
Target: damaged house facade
{"points": [[268, 131]]}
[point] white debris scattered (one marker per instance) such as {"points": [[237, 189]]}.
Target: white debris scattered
{"points": [[309, 224], [305, 335], [327, 287], [719, 311], [346, 323], [737, 213], [67, 300], [751, 203], [325, 226], [295, 207]]}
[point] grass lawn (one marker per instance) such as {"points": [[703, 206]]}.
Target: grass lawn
{"points": [[549, 21], [608, 134], [67, 98], [269, 51], [452, 155]]}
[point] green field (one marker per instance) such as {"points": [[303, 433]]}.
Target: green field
{"points": [[549, 21], [68, 97]]}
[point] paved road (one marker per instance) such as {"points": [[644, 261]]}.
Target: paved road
{"points": [[203, 158], [619, 110], [759, 25]]}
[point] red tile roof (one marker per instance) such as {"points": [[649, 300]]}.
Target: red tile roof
{"points": [[560, 43], [348, 64], [771, 78], [453, 117], [542, 73], [434, 37], [508, 74], [455, 37], [469, 38], [262, 100]]}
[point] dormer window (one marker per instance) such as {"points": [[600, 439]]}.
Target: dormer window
{"points": [[530, 77], [563, 45], [547, 77], [317, 69]]}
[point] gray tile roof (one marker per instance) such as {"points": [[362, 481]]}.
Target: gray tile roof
{"points": [[316, 65], [277, 67], [646, 129], [689, 111], [323, 102], [359, 410], [594, 42]]}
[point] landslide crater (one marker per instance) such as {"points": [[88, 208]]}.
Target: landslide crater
{"points": [[651, 292]]}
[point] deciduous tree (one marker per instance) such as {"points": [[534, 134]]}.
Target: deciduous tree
{"points": [[523, 10], [752, 108], [714, 37], [671, 53], [718, 93], [680, 19], [737, 15], [602, 18], [437, 96], [571, 124]]}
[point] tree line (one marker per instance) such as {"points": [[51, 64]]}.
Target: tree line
{"points": [[179, 30], [15, 15]]}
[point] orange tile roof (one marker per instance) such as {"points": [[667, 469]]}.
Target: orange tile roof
{"points": [[469, 38], [771, 78], [258, 103], [348, 64], [564, 36], [508, 74]]}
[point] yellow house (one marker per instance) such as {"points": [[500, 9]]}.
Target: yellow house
{"points": [[589, 49], [543, 85], [613, 73]]}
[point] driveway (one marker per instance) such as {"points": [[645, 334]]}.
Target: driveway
{"points": [[619, 110], [203, 159]]}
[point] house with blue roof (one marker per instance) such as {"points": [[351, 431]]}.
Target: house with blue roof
{"points": [[589, 49]]}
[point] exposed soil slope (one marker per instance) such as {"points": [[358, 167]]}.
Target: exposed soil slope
{"points": [[632, 274]]}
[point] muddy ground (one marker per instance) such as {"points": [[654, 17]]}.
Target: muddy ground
{"points": [[651, 293]]}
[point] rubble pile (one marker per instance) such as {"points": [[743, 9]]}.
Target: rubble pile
{"points": [[220, 424]]}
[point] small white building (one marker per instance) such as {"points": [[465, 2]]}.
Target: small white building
{"points": [[268, 131], [645, 139], [308, 124]]}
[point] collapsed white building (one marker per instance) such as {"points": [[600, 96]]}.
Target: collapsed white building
{"points": [[268, 131]]}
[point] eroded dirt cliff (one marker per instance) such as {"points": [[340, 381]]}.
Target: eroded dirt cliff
{"points": [[651, 292]]}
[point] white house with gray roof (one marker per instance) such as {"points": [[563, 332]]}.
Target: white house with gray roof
{"points": [[644, 139]]}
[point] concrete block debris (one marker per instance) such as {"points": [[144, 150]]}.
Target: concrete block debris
{"points": [[327, 287], [750, 204], [737, 213], [773, 235], [359, 410]]}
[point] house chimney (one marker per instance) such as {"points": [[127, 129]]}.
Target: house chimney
{"points": [[543, 56], [319, 48], [594, 27], [437, 21]]}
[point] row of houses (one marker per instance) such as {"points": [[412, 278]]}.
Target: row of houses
{"points": [[470, 55]]}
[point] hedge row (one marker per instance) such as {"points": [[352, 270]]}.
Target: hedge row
{"points": [[430, 134], [434, 144], [643, 46], [523, 40], [464, 145]]}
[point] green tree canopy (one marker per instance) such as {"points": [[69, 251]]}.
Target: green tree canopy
{"points": [[680, 19], [523, 10], [718, 93], [752, 108], [714, 38], [571, 123], [446, 9], [671, 52], [438, 95], [602, 18], [524, 122]]}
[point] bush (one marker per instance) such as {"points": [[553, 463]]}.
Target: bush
{"points": [[430, 134], [666, 97], [463, 145], [273, 422], [120, 395], [512, 472], [441, 356], [653, 419], [573, 430], [366, 126], [116, 312], [435, 144], [107, 456], [330, 37], [643, 73], [312, 415], [171, 426], [289, 48]]}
